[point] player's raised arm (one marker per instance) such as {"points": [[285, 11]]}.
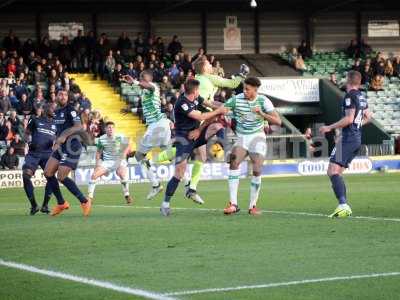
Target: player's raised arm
{"points": [[199, 116]]}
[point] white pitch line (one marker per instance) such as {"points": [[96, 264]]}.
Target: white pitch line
{"points": [[281, 212], [280, 284], [88, 281]]}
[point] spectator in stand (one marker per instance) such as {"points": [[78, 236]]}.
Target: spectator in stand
{"points": [[117, 75], [6, 132], [39, 76], [20, 147], [380, 68], [64, 52], [304, 49], [396, 66], [186, 64], [11, 67], [11, 42], [165, 86], [25, 106], [9, 160], [299, 64], [20, 66], [352, 49], [389, 68], [38, 100], [173, 71], [110, 65], [101, 51], [79, 57], [364, 48], [179, 80], [5, 104], [14, 120], [141, 68], [119, 59], [357, 65], [13, 99], [366, 74], [217, 69], [160, 47], [211, 59], [160, 72], [139, 44], [124, 44], [377, 83], [90, 49], [84, 103], [28, 47], [293, 56], [200, 53], [2, 121], [53, 78], [175, 46], [131, 71], [377, 59], [95, 126], [19, 88]]}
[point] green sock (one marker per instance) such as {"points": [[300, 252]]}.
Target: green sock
{"points": [[196, 174], [166, 155]]}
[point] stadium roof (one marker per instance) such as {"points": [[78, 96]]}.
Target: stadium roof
{"points": [[295, 5]]}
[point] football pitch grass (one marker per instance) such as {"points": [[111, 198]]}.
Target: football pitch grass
{"points": [[291, 251]]}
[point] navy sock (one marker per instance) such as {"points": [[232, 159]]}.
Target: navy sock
{"points": [[28, 187], [171, 188], [55, 188], [339, 188], [73, 188], [47, 194]]}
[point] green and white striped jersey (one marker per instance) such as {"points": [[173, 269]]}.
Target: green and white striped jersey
{"points": [[112, 147], [151, 105], [247, 121]]}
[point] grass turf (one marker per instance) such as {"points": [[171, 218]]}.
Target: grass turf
{"points": [[197, 249]]}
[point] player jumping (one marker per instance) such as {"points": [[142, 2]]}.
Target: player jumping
{"points": [[66, 153], [355, 114], [112, 150], [158, 133], [42, 132], [189, 135], [250, 110]]}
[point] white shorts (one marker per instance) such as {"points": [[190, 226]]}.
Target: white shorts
{"points": [[254, 143], [112, 165], [157, 135]]}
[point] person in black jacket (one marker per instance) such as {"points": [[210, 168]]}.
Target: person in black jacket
{"points": [[175, 46], [9, 160]]}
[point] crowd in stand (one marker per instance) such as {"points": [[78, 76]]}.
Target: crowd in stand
{"points": [[30, 77], [32, 73]]}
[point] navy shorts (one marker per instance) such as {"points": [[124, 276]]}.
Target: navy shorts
{"points": [[344, 152], [68, 154], [35, 159], [185, 146]]}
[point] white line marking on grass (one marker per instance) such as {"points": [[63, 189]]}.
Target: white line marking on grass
{"points": [[88, 281], [280, 284], [281, 212]]}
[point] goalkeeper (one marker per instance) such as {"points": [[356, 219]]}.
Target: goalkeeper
{"points": [[209, 84]]}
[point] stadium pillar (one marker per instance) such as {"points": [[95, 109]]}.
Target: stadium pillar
{"points": [[38, 25], [256, 31], [308, 30], [204, 30], [94, 24], [358, 27], [148, 27]]}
